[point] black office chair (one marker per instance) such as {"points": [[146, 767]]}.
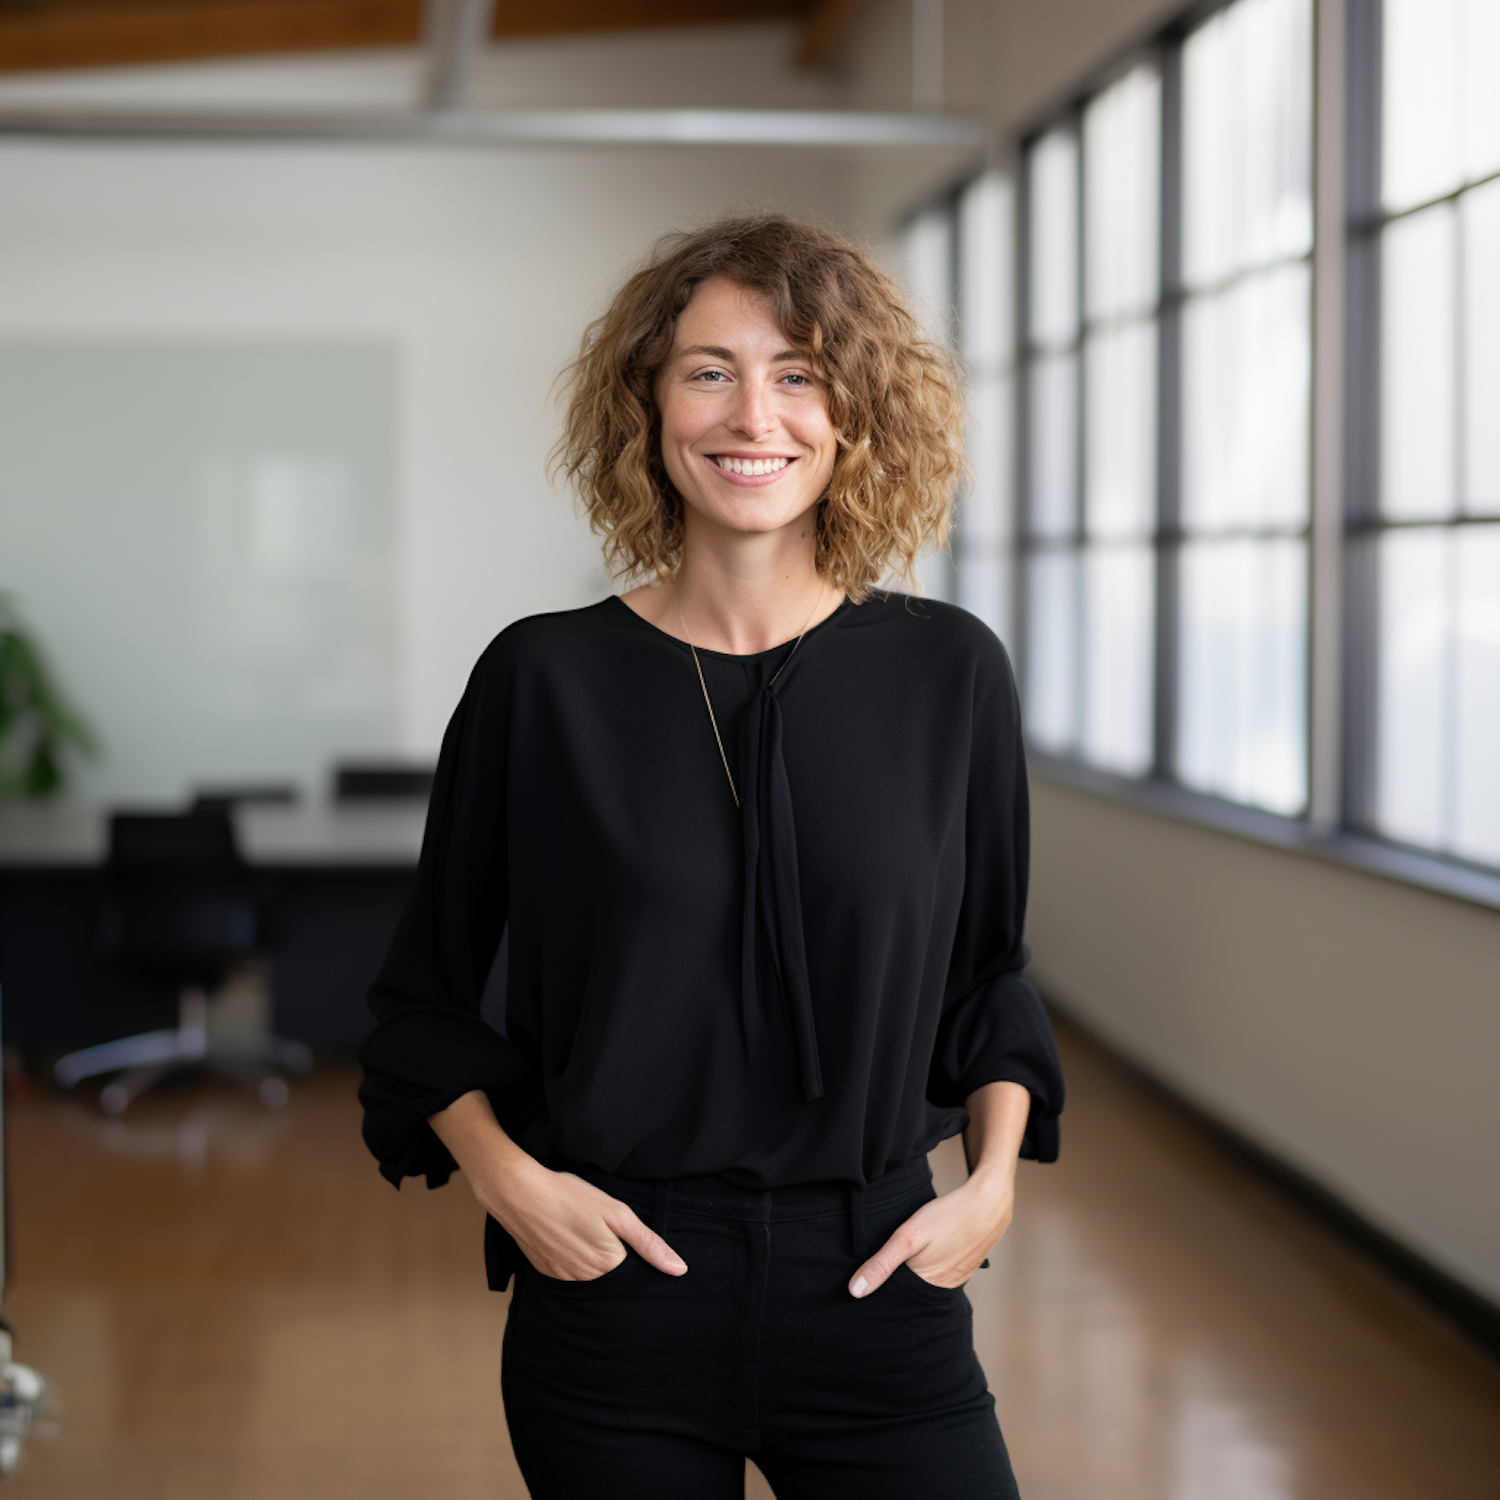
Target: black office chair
{"points": [[382, 781], [180, 903]]}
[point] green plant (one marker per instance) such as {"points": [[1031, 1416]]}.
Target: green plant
{"points": [[37, 725]]}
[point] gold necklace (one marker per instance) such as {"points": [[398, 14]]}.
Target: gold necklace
{"points": [[713, 718]]}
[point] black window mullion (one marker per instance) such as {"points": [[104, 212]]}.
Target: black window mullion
{"points": [[1021, 407], [1169, 421], [1362, 365], [1080, 443]]}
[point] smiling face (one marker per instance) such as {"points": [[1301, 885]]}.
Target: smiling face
{"points": [[745, 434]]}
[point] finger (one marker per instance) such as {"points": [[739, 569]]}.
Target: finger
{"points": [[894, 1252], [647, 1243]]}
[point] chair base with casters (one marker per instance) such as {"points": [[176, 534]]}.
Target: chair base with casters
{"points": [[179, 903], [146, 1059]]}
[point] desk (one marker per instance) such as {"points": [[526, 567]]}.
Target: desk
{"points": [[336, 880]]}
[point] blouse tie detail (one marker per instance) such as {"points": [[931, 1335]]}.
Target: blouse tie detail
{"points": [[773, 890]]}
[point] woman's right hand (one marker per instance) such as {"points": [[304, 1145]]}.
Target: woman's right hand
{"points": [[567, 1228]]}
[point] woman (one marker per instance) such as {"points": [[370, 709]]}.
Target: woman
{"points": [[759, 832]]}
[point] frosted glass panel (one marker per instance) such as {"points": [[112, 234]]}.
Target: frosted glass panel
{"points": [[1241, 730], [1476, 681], [1481, 67], [1439, 689], [1246, 373], [984, 589], [986, 230], [1422, 102], [1118, 644], [1120, 483], [1480, 213], [1054, 445], [1052, 165], [202, 536], [984, 519], [1441, 106], [1410, 773], [1417, 435], [1122, 172], [1247, 138], [1052, 649], [929, 272]]}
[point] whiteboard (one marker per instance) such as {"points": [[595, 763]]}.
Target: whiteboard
{"points": [[201, 534]]}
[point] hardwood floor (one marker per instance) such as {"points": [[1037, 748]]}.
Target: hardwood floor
{"points": [[234, 1305]]}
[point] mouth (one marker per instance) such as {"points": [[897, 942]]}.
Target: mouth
{"points": [[746, 467]]}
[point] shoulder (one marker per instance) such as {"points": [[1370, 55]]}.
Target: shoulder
{"points": [[933, 630], [536, 642]]}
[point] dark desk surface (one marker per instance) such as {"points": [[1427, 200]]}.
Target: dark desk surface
{"points": [[63, 836], [337, 877]]}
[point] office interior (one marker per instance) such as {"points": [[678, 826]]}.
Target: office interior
{"points": [[284, 292]]}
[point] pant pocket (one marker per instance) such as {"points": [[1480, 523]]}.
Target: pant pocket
{"points": [[586, 1286]]}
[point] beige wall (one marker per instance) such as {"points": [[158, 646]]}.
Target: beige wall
{"points": [[1004, 59], [1346, 1022]]}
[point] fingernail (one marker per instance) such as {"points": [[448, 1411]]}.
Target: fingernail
{"points": [[859, 1287]]}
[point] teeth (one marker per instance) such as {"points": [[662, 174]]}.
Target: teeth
{"points": [[751, 466]]}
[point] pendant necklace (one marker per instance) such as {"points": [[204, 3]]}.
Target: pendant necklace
{"points": [[703, 682]]}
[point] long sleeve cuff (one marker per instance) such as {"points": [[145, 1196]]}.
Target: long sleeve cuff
{"points": [[999, 1033], [417, 1061]]}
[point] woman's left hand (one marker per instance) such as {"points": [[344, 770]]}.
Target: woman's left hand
{"points": [[945, 1240]]}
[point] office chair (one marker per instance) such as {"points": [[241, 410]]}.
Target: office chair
{"points": [[179, 902], [381, 781]]}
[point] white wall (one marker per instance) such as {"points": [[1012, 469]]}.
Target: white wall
{"points": [[480, 267]]}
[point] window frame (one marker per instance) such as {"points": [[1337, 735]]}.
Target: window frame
{"points": [[1342, 459], [1364, 525]]}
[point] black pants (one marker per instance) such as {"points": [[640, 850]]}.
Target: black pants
{"points": [[649, 1385]]}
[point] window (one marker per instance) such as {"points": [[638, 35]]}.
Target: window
{"points": [[1427, 513], [983, 544], [1155, 563], [929, 253], [1166, 422], [1246, 237]]}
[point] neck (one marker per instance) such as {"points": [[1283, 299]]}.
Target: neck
{"points": [[746, 593]]}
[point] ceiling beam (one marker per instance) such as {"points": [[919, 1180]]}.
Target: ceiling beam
{"points": [[43, 35], [456, 31], [55, 36], [539, 127], [827, 26]]}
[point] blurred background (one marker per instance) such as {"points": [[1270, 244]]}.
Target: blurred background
{"points": [[284, 289]]}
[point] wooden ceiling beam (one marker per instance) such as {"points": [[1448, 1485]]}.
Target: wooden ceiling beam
{"points": [[823, 30], [56, 36], [559, 16], [45, 35]]}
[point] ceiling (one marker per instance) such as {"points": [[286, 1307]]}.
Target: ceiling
{"points": [[43, 35]]}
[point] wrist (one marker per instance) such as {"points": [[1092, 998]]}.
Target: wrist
{"points": [[510, 1178], [993, 1180]]}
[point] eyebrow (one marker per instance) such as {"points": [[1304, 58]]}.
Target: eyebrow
{"points": [[713, 351]]}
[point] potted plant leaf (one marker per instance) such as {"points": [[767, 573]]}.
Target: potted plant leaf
{"points": [[37, 725]]}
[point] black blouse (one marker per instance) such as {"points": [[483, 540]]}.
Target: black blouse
{"points": [[805, 989]]}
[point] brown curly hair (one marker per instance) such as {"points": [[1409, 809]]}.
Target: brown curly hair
{"points": [[894, 398]]}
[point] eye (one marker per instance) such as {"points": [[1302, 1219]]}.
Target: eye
{"points": [[713, 377], [797, 380]]}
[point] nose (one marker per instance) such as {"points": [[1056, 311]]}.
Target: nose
{"points": [[752, 414]]}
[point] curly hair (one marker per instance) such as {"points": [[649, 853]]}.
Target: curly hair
{"points": [[894, 398]]}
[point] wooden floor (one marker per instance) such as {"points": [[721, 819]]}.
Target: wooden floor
{"points": [[233, 1305]]}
